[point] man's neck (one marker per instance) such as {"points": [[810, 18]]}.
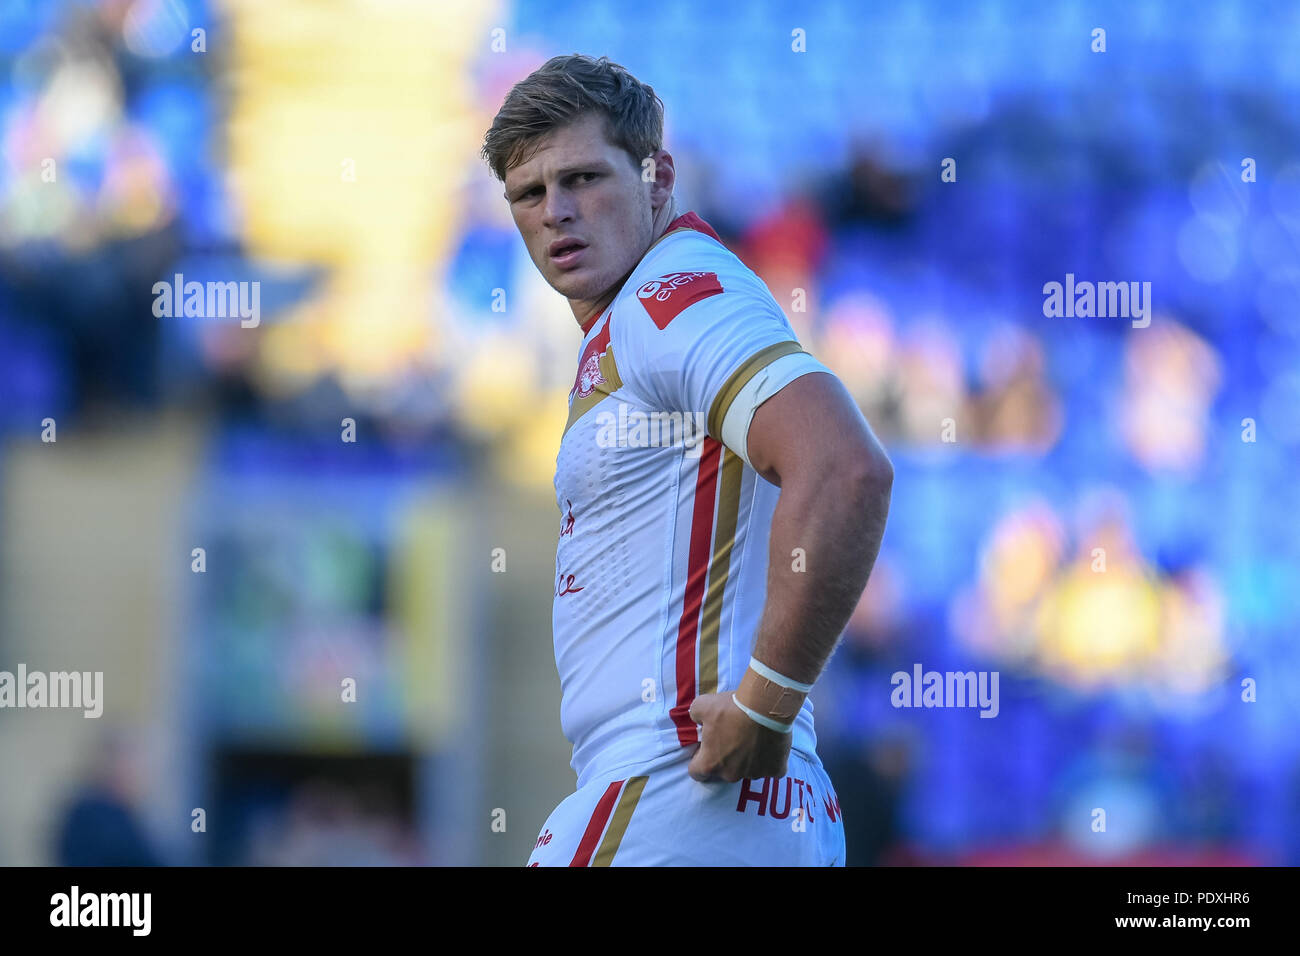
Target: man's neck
{"points": [[667, 213]]}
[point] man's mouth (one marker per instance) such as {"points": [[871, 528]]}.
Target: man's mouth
{"points": [[565, 253]]}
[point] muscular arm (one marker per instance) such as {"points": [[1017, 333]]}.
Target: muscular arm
{"points": [[811, 441]]}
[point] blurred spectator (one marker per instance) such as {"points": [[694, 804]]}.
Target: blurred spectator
{"points": [[866, 192], [100, 825]]}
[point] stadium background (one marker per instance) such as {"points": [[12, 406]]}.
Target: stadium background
{"points": [[328, 151]]}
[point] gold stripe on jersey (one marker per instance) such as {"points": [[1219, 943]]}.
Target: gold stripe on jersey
{"points": [[612, 383], [724, 540], [618, 825], [740, 378]]}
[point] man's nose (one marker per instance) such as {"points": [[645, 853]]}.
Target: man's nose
{"points": [[558, 207]]}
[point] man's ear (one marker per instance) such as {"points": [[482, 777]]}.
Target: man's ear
{"points": [[661, 192], [665, 170]]}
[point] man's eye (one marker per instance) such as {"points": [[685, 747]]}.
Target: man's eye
{"points": [[591, 175]]}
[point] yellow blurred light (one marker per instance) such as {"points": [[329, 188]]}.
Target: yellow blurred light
{"points": [[291, 357], [527, 456], [1100, 626], [497, 389], [352, 128]]}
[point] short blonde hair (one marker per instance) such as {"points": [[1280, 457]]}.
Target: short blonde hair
{"points": [[564, 89]]}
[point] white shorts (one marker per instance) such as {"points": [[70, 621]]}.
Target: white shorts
{"points": [[656, 815]]}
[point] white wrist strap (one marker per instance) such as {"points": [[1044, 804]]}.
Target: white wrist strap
{"points": [[767, 722], [762, 670]]}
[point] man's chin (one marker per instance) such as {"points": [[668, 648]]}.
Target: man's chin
{"points": [[577, 287]]}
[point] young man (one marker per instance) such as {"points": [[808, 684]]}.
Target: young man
{"points": [[722, 501]]}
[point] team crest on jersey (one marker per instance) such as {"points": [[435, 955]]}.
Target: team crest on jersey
{"points": [[589, 376], [668, 296], [597, 377]]}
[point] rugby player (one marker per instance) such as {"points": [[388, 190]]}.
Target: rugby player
{"points": [[721, 498]]}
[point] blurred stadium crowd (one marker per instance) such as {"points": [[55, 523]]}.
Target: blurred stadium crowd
{"points": [[329, 153]]}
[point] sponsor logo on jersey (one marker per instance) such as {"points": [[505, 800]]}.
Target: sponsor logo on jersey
{"points": [[770, 801], [668, 296]]}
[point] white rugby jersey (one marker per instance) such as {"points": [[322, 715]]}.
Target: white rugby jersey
{"points": [[662, 557]]}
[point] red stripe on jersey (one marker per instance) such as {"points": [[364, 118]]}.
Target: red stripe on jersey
{"points": [[596, 826], [697, 573]]}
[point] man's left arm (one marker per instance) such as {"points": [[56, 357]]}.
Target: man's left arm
{"points": [[811, 440]]}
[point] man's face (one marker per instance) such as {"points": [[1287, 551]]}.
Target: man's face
{"points": [[577, 186]]}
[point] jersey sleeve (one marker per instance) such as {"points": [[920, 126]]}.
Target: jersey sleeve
{"points": [[715, 353], [738, 413]]}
